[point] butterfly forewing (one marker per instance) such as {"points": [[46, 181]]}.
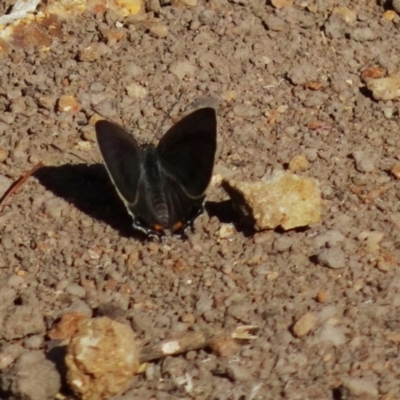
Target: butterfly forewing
{"points": [[187, 151], [121, 155]]}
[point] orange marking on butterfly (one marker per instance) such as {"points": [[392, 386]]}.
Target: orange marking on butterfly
{"points": [[177, 226], [158, 228]]}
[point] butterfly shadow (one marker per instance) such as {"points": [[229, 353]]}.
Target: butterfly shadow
{"points": [[89, 189], [226, 213]]}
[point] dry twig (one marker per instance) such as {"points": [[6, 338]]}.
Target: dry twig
{"points": [[193, 341], [18, 183]]}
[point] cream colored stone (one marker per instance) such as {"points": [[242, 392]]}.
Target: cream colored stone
{"points": [[136, 91], [101, 358], [385, 88], [345, 13], [305, 325], [285, 200], [279, 4]]}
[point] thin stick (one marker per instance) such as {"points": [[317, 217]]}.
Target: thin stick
{"points": [[13, 188], [192, 341]]}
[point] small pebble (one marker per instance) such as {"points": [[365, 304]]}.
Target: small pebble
{"points": [[279, 4], [305, 325], [204, 303], [388, 112], [346, 14], [94, 51], [246, 111], [182, 69], [55, 207], [371, 239], [3, 154], [361, 387], [332, 258], [275, 23], [83, 145], [238, 373], [34, 377], [76, 290], [158, 29], [283, 243], [68, 103], [384, 89], [9, 353], [364, 161], [383, 266], [298, 163], [363, 34], [396, 6], [330, 333], [396, 171], [322, 297], [34, 342], [329, 238], [226, 231]]}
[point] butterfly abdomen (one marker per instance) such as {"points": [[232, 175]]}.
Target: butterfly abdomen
{"points": [[153, 181]]}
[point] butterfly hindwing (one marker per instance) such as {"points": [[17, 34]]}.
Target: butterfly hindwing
{"points": [[187, 151], [182, 209], [121, 155]]}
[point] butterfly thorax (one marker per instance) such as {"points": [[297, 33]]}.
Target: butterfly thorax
{"points": [[153, 181]]}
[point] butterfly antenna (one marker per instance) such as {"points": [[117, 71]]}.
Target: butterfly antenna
{"points": [[168, 114]]}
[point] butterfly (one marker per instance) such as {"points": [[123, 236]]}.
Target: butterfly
{"points": [[163, 187]]}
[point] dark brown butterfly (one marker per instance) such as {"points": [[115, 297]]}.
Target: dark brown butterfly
{"points": [[163, 187]]}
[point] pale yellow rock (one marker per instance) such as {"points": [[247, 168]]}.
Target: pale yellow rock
{"points": [[83, 145], [371, 239], [273, 275], [190, 3], [101, 358], [281, 3], [285, 200], [71, 7], [136, 91], [226, 231], [396, 171], [298, 163], [345, 13], [229, 95], [158, 29], [127, 7], [68, 103], [3, 154], [385, 88], [62, 7], [305, 325], [390, 15]]}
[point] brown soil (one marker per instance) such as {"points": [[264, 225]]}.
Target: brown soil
{"points": [[285, 83]]}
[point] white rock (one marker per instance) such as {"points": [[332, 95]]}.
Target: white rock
{"points": [[19, 10], [181, 69], [330, 333], [361, 387], [385, 88], [136, 91]]}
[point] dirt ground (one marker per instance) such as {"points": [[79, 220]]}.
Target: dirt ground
{"points": [[285, 82]]}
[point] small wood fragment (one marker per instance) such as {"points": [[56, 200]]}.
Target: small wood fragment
{"points": [[14, 187], [192, 341]]}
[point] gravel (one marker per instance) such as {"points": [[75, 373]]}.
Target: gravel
{"points": [[286, 82]]}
